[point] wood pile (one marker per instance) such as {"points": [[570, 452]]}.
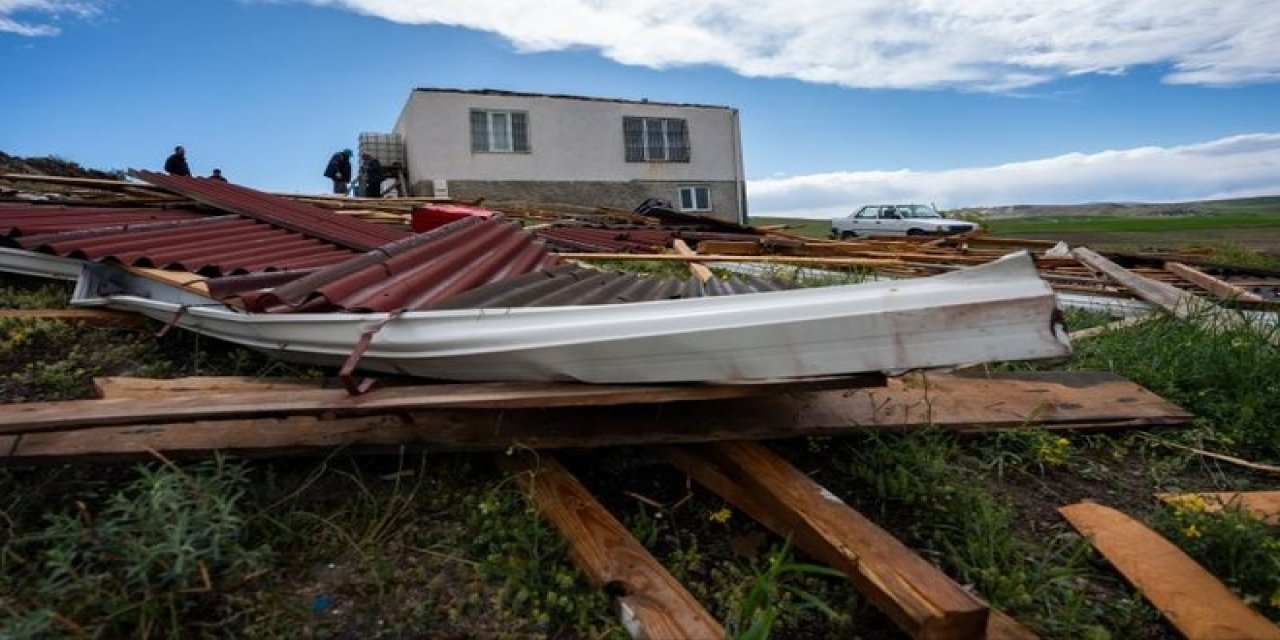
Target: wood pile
{"points": [[703, 430]]}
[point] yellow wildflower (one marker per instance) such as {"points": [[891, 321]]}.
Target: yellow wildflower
{"points": [[722, 515], [1191, 532]]}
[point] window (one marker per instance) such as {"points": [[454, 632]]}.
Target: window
{"points": [[869, 212], [499, 131], [655, 139], [695, 198]]}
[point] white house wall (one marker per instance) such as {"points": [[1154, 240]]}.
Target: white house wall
{"points": [[570, 139]]}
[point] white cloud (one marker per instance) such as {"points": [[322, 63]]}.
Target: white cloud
{"points": [[1238, 166], [971, 44], [31, 17]]}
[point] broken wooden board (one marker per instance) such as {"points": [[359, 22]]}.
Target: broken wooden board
{"points": [[699, 271], [126, 387], [1053, 400], [1172, 299], [917, 596], [1219, 288], [35, 417], [652, 604], [1265, 504], [1196, 603]]}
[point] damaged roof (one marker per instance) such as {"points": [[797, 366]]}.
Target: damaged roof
{"points": [[470, 263]]}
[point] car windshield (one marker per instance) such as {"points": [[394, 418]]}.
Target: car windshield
{"points": [[917, 211]]}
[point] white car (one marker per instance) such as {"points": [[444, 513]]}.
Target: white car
{"points": [[897, 220]]}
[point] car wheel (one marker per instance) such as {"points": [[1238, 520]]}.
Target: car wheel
{"points": [[915, 232], [847, 235]]}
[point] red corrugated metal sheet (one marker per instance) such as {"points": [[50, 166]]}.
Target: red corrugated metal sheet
{"points": [[209, 245], [437, 215], [32, 219], [302, 218], [412, 273]]}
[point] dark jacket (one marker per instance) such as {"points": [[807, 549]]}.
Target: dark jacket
{"points": [[373, 177], [339, 167], [176, 165]]}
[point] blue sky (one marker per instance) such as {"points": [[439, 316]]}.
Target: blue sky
{"points": [[986, 103]]}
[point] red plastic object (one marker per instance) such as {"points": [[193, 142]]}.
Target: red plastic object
{"points": [[437, 215]]}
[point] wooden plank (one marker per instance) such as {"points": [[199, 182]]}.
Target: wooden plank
{"points": [[1266, 504], [35, 417], [1220, 288], [1123, 323], [182, 279], [917, 596], [1060, 400], [1172, 299], [126, 387], [670, 257], [96, 317], [652, 604], [1197, 604], [700, 271], [730, 247]]}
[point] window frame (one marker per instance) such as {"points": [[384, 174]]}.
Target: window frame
{"points": [[651, 139], [514, 131], [693, 190]]}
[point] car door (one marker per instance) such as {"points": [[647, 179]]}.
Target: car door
{"points": [[867, 220], [892, 221]]}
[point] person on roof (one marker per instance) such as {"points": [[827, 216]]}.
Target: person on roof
{"points": [[339, 171], [373, 175], [176, 165]]}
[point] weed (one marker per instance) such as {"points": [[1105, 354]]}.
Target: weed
{"points": [[146, 562], [1230, 541], [774, 593], [542, 592]]}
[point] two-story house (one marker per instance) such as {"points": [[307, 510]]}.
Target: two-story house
{"points": [[503, 145]]}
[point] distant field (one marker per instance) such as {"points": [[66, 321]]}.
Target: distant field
{"points": [[799, 226], [1252, 224], [1132, 224]]}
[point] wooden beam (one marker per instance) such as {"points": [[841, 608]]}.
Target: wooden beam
{"points": [[1197, 604], [35, 417], [1265, 504], [670, 257], [126, 387], [1172, 299], [730, 247], [1123, 323], [652, 604], [918, 597], [1058, 400], [1219, 288], [701, 272]]}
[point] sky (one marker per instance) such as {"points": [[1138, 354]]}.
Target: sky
{"points": [[843, 102]]}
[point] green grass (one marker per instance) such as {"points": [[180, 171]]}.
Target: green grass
{"points": [[1233, 220]]}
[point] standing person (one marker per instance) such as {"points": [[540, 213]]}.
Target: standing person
{"points": [[373, 176], [339, 171], [176, 165], [217, 175]]}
